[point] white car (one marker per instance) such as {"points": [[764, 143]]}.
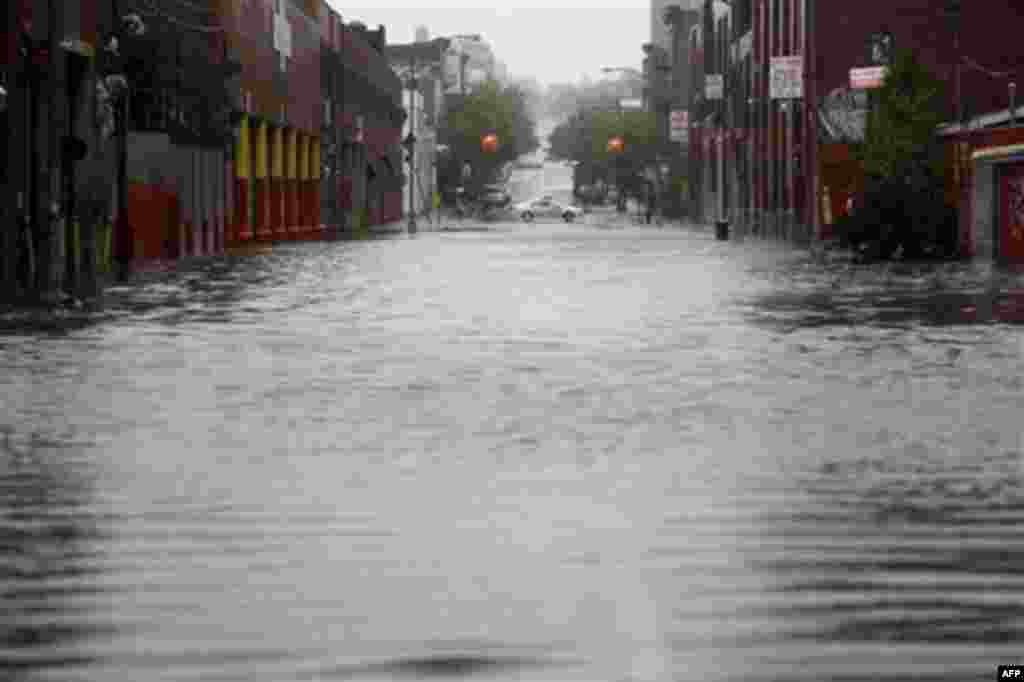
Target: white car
{"points": [[547, 207]]}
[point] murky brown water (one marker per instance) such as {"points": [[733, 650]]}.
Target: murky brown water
{"points": [[536, 453]]}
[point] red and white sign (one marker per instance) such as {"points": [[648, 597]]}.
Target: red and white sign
{"points": [[787, 77], [680, 120], [867, 77]]}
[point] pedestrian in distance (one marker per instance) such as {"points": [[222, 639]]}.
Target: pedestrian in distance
{"points": [[651, 204]]}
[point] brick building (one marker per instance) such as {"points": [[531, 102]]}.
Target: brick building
{"points": [[778, 166], [361, 124]]}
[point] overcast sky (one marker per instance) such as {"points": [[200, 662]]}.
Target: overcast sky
{"points": [[553, 44]]}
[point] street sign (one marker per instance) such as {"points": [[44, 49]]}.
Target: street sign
{"points": [[680, 125], [879, 48], [867, 77], [787, 77], [631, 103], [714, 86]]}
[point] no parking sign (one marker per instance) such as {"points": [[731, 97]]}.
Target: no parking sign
{"points": [[787, 77]]}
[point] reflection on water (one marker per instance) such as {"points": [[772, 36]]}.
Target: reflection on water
{"points": [[532, 453], [46, 547]]}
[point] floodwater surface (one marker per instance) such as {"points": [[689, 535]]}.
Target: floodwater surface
{"points": [[544, 452]]}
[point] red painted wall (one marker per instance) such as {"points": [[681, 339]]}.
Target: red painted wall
{"points": [[989, 34], [303, 84]]}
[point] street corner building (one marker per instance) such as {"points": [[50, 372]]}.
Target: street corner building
{"points": [[317, 120], [779, 97], [420, 66], [361, 125], [137, 133]]}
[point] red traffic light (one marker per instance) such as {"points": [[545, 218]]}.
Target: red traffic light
{"points": [[489, 142], [615, 144]]}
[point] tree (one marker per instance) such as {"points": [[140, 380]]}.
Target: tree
{"points": [[583, 138], [903, 205], [504, 112]]}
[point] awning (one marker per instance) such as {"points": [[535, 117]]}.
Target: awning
{"points": [[1004, 154]]}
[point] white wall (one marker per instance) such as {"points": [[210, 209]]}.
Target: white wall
{"points": [[422, 187], [984, 210]]}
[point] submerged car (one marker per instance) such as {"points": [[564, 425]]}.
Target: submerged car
{"points": [[547, 207]]}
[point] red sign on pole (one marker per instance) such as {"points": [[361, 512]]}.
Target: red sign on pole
{"points": [[866, 78]]}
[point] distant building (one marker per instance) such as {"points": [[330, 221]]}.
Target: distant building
{"points": [[423, 101], [782, 169], [660, 34], [422, 34], [469, 62]]}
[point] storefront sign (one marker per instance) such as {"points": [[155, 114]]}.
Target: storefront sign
{"points": [[787, 77]]}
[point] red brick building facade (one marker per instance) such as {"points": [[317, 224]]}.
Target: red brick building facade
{"points": [[780, 170]]}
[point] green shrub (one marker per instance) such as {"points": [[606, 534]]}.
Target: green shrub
{"points": [[902, 208]]}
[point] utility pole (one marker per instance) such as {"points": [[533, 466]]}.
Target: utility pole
{"points": [[47, 273], [810, 111], [11, 208], [463, 59], [1012, 88], [410, 142], [123, 240]]}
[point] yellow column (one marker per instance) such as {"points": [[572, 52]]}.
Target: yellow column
{"points": [[291, 219], [262, 188], [314, 173], [241, 231], [277, 226], [300, 182]]}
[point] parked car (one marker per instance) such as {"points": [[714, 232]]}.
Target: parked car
{"points": [[547, 207]]}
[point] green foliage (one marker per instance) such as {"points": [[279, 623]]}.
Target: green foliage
{"points": [[584, 138], [492, 109], [902, 208], [358, 223], [900, 136]]}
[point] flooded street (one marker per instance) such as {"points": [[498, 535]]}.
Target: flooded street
{"points": [[539, 452]]}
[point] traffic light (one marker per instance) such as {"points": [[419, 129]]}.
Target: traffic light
{"points": [[615, 145], [489, 142]]}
